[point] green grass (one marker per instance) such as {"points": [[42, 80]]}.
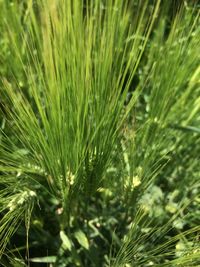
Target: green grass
{"points": [[88, 178]]}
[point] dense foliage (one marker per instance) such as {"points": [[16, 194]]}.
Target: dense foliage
{"points": [[99, 133]]}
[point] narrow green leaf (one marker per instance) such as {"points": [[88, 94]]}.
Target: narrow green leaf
{"points": [[66, 242], [48, 259], [82, 239]]}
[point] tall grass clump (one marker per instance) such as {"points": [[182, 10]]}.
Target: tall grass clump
{"points": [[73, 148]]}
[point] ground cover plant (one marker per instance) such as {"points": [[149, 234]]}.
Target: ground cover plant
{"points": [[99, 133]]}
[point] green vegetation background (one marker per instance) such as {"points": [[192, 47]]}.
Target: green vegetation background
{"points": [[100, 136]]}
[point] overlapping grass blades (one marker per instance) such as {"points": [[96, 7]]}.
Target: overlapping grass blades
{"points": [[172, 103], [66, 121], [62, 106]]}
